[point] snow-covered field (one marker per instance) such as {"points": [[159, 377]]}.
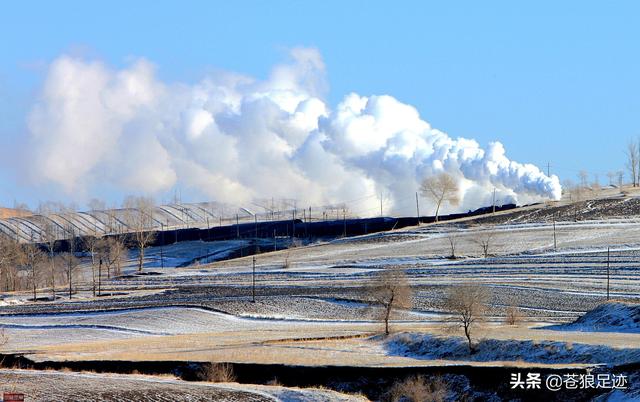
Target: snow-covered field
{"points": [[65, 386], [312, 307]]}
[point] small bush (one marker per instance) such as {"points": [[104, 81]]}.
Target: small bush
{"points": [[514, 316], [417, 389], [217, 372]]}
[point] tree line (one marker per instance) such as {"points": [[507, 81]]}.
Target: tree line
{"points": [[38, 265]]}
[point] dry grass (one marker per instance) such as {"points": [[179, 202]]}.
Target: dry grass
{"points": [[274, 382], [418, 389], [217, 372], [287, 346]]}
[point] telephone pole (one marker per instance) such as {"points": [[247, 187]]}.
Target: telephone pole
{"points": [[304, 222], [253, 282], [344, 220], [293, 224], [608, 265], [100, 279], [494, 200], [549, 169], [417, 208], [161, 246], [255, 218]]}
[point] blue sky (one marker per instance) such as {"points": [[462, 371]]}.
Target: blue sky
{"points": [[553, 81]]}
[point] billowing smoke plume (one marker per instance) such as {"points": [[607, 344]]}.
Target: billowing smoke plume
{"points": [[232, 138]]}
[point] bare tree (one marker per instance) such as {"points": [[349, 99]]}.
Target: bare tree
{"points": [[584, 177], [513, 315], [56, 272], [452, 237], [611, 176], [633, 159], [96, 204], [33, 259], [620, 174], [139, 219], [112, 252], [468, 303], [113, 222], [440, 188], [391, 290], [49, 238], [484, 239], [93, 242], [9, 254], [70, 261]]}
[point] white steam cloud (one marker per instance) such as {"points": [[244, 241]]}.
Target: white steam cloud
{"points": [[231, 138]]}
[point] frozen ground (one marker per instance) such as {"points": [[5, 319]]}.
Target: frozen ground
{"points": [[608, 317], [430, 347], [311, 306], [92, 387]]}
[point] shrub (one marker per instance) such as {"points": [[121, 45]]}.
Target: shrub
{"points": [[418, 389], [514, 316], [217, 372]]}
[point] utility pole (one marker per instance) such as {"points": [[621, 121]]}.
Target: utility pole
{"points": [[555, 244], [417, 208], [608, 265], [344, 220], [253, 281], [494, 200], [100, 278], [255, 218], [161, 246], [304, 219], [293, 224], [549, 169]]}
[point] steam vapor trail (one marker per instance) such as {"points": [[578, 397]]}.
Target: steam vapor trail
{"points": [[231, 138]]}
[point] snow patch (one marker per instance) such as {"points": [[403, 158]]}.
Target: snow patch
{"points": [[425, 346], [607, 317]]}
